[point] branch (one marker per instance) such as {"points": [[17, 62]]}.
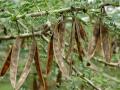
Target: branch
{"points": [[21, 36], [108, 4], [86, 79], [63, 10], [109, 64], [81, 75], [45, 28], [42, 13]]}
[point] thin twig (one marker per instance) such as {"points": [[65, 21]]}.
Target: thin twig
{"points": [[23, 25], [111, 78], [86, 79]]}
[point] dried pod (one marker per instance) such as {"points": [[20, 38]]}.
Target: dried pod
{"points": [[106, 43], [95, 41], [50, 55], [6, 64], [77, 38], [58, 48], [14, 61], [39, 70], [26, 69]]}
